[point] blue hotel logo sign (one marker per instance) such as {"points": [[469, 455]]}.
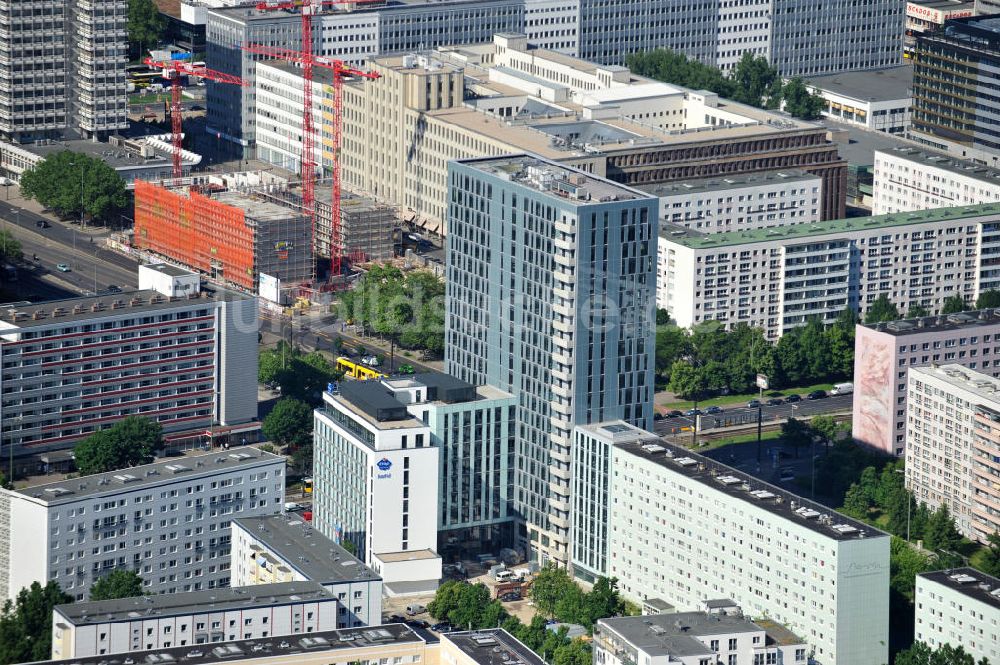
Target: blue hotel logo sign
{"points": [[384, 465]]}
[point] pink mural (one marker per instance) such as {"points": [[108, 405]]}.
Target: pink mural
{"points": [[874, 419]]}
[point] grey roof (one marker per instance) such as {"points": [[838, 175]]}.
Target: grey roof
{"points": [[722, 478], [147, 475], [168, 269], [738, 181], [305, 550], [446, 388], [481, 646], [859, 150], [60, 312], [943, 4], [329, 641], [959, 321], [720, 602], [946, 163], [969, 582], [873, 85], [675, 634], [194, 602], [374, 399]]}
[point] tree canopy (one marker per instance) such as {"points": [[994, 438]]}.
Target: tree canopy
{"points": [[988, 299], [131, 441], [10, 247], [921, 654], [119, 583], [301, 375], [881, 310], [145, 26], [756, 82], [406, 308], [954, 304], [800, 102], [26, 623], [676, 68], [71, 182]]}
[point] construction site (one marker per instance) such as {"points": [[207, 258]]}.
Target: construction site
{"points": [[231, 236]]}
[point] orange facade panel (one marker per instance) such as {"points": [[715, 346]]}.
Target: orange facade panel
{"points": [[196, 231]]}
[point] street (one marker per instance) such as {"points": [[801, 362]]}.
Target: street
{"points": [[740, 414]]}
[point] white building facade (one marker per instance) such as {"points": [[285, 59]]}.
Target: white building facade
{"points": [[908, 179], [375, 479], [162, 621], [185, 357], [877, 100], [952, 447], [274, 549], [686, 529], [960, 607], [167, 521], [777, 278]]}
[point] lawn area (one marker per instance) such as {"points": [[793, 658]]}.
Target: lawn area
{"points": [[730, 400], [139, 100], [742, 438]]}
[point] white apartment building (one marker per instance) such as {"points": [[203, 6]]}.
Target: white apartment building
{"points": [[877, 100], [375, 484], [884, 352], [175, 351], [741, 203], [687, 529], [908, 179], [960, 607], [284, 548], [712, 635], [165, 620], [776, 278], [62, 67], [952, 444], [168, 521]]}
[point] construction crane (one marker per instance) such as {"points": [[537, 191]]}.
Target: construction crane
{"points": [[172, 71], [308, 164]]}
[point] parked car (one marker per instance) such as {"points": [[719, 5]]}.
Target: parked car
{"points": [[657, 416], [113, 288], [816, 394], [713, 409], [195, 653], [284, 645], [397, 618], [754, 404], [693, 412], [674, 414], [291, 507], [42, 224], [775, 401], [443, 627], [791, 399], [62, 267], [510, 596]]}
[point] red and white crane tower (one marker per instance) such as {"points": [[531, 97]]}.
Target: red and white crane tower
{"points": [[172, 71], [341, 69]]}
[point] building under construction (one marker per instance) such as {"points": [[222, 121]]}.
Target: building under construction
{"points": [[233, 237]]}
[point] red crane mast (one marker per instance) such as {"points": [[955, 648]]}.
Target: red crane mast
{"points": [[172, 70], [340, 69]]}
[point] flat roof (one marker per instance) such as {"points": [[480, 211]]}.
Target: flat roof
{"points": [[675, 634], [619, 431], [548, 177], [872, 85], [249, 13], [483, 646], [700, 185], [959, 321], [167, 269], [285, 648], [969, 582], [117, 157], [194, 602], [256, 208], [408, 555], [376, 403], [857, 145], [133, 478], [84, 308], [306, 550], [982, 385], [946, 163], [794, 233], [735, 483]]}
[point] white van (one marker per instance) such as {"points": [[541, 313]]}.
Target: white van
{"points": [[415, 609], [505, 576], [842, 388]]}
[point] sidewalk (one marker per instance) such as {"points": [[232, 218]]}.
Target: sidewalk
{"points": [[12, 195]]}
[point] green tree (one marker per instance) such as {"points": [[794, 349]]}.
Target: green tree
{"points": [[662, 317], [572, 605], [603, 601], [350, 547], [796, 433], [551, 584], [577, 652], [921, 654], [269, 365], [917, 311], [671, 344], [989, 299], [990, 561], [26, 623], [941, 533], [881, 310], [289, 423], [840, 340], [954, 304], [757, 82], [856, 504], [10, 247], [828, 428], [687, 381], [73, 184], [119, 583], [800, 102], [671, 67], [145, 25], [131, 441]]}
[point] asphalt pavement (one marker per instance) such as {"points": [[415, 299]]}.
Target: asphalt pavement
{"points": [[741, 414]]}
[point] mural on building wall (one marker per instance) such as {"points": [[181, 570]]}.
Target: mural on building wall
{"points": [[873, 394]]}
